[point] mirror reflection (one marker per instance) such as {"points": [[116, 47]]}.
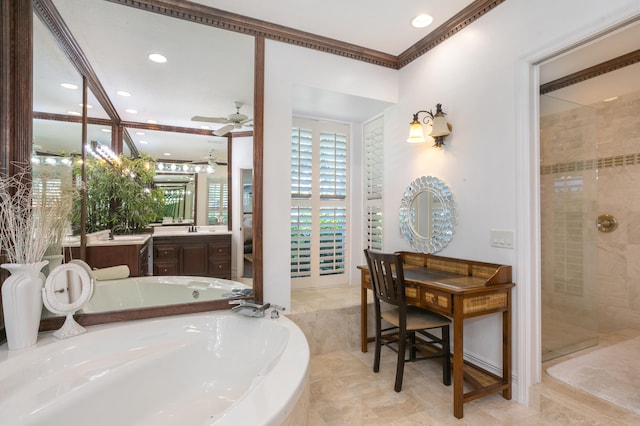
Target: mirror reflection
{"points": [[427, 214], [151, 113]]}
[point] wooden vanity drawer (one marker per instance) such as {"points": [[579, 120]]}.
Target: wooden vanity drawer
{"points": [[436, 300], [220, 269], [219, 250], [165, 252], [412, 294], [165, 268]]}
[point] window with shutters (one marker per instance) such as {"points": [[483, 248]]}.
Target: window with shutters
{"points": [[47, 184], [319, 210], [373, 133], [217, 201]]}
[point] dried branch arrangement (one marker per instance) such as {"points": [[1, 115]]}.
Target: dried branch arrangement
{"points": [[27, 228]]}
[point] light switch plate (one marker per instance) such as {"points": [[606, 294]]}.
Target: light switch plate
{"points": [[502, 238]]}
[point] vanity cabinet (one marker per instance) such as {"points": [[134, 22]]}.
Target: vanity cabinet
{"points": [[196, 255], [135, 256]]}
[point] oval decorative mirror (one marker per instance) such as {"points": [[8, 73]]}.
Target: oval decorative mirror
{"points": [[427, 214]]}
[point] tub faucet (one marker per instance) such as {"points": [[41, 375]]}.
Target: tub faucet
{"points": [[248, 308]]}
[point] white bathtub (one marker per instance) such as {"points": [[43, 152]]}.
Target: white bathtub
{"points": [[136, 292], [200, 369]]}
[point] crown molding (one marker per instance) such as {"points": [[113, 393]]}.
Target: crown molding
{"points": [[201, 14]]}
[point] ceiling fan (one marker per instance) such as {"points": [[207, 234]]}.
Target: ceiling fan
{"points": [[232, 121], [211, 160]]}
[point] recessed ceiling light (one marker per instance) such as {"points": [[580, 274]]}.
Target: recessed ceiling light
{"points": [[144, 142], [69, 86], [610, 99], [167, 154], [205, 127], [106, 130], [131, 111], [140, 133], [421, 21], [123, 93], [152, 121], [88, 106], [73, 113], [156, 57]]}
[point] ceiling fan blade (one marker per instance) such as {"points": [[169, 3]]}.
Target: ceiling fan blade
{"points": [[223, 130], [246, 121], [222, 120]]}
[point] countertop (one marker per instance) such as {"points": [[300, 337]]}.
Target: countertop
{"points": [[101, 238]]}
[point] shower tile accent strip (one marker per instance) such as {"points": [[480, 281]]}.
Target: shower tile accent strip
{"points": [[600, 163]]}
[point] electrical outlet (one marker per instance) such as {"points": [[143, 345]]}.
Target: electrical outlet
{"points": [[502, 238]]}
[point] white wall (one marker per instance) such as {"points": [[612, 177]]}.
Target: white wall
{"points": [[484, 80], [286, 67], [242, 157]]}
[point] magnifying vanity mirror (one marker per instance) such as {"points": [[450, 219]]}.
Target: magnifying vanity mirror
{"points": [[67, 289], [427, 214]]}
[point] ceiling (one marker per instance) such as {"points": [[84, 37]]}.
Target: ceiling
{"points": [[209, 68]]}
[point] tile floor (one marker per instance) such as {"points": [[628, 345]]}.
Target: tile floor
{"points": [[345, 391]]}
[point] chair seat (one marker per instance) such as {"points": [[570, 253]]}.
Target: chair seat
{"points": [[417, 319]]}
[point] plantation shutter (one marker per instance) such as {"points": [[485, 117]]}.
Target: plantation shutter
{"points": [[374, 182], [301, 241], [217, 202], [319, 212]]}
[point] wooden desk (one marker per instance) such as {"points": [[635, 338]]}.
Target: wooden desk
{"points": [[458, 289]]}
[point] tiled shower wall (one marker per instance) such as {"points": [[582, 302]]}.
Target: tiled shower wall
{"points": [[590, 165]]}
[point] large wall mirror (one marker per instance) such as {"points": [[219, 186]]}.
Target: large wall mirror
{"points": [[146, 108], [427, 214]]}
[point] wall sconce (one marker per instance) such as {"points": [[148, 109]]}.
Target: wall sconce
{"points": [[439, 127]]}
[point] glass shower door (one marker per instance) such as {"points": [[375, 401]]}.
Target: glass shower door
{"points": [[568, 201]]}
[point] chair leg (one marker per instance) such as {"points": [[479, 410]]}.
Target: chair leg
{"points": [[412, 348], [446, 362], [376, 357], [402, 339]]}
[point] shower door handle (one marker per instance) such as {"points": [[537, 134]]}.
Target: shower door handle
{"points": [[606, 223]]}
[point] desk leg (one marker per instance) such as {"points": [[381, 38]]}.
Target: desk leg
{"points": [[363, 319], [458, 357]]}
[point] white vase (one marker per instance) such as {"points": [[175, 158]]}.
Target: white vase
{"points": [[22, 303]]}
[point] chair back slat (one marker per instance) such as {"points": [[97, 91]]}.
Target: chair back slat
{"points": [[387, 276]]}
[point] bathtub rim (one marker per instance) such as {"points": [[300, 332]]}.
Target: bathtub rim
{"points": [[283, 386]]}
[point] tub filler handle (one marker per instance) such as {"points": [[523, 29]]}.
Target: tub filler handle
{"points": [[275, 311]]}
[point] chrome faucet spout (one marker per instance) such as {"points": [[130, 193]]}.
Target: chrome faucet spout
{"points": [[249, 308]]}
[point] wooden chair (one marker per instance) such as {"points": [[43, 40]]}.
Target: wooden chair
{"points": [[387, 280]]}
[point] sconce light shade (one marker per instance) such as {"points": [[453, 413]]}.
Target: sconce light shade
{"points": [[440, 127], [416, 133]]}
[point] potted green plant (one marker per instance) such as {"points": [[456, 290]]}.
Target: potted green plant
{"points": [[120, 193]]}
